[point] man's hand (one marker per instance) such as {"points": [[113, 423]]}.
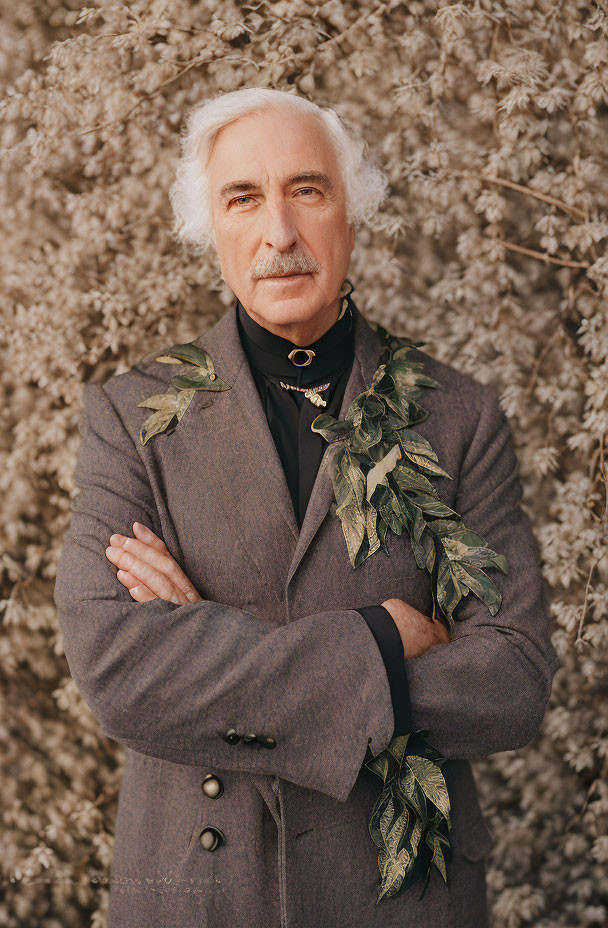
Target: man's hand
{"points": [[148, 570], [418, 632]]}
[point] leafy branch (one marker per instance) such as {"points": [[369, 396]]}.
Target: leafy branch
{"points": [[172, 406], [380, 469]]}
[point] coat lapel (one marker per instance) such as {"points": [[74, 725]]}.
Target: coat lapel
{"points": [[367, 347], [244, 423]]}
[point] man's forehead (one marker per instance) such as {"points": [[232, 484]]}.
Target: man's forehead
{"points": [[244, 159]]}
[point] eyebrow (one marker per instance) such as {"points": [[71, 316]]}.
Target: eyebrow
{"points": [[303, 176]]}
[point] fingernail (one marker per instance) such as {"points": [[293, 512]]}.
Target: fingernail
{"points": [[117, 539]]}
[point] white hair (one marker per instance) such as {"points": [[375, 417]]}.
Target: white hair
{"points": [[365, 184]]}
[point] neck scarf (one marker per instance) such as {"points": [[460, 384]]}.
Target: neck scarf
{"points": [[269, 353]]}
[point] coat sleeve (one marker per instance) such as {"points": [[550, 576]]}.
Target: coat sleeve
{"points": [[170, 680], [486, 690]]}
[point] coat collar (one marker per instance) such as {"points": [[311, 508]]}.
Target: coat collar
{"points": [[239, 414]]}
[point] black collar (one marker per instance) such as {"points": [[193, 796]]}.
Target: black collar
{"points": [[268, 353]]}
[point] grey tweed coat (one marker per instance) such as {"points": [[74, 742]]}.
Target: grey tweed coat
{"points": [[278, 649]]}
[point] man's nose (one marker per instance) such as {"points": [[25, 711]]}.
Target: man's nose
{"points": [[280, 229]]}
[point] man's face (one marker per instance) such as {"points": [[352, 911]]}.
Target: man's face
{"points": [[276, 223]]}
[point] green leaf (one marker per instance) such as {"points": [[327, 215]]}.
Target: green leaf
{"points": [[199, 380], [410, 480], [431, 781], [479, 583], [424, 551], [398, 746], [189, 354], [160, 401], [393, 871], [443, 527], [379, 765], [184, 398], [373, 406], [433, 507], [349, 487], [171, 407], [413, 441], [438, 858], [330, 428], [396, 831], [477, 556], [161, 421], [408, 788], [449, 592], [428, 466], [364, 437]]}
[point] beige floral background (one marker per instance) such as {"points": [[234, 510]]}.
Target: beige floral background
{"points": [[491, 120]]}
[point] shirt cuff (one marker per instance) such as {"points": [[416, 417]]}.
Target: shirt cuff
{"points": [[388, 639]]}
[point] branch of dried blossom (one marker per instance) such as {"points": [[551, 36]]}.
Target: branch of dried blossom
{"points": [[539, 360], [146, 96], [296, 62], [303, 58], [579, 640], [543, 256], [530, 191]]}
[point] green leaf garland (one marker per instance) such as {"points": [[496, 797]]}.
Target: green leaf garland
{"points": [[380, 469], [411, 820], [172, 406]]}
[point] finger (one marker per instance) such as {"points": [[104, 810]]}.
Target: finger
{"points": [[146, 535], [161, 561], [143, 571], [138, 590]]}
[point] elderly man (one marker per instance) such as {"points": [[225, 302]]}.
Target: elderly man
{"points": [[298, 706]]}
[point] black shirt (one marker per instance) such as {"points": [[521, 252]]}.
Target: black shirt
{"points": [[290, 414]]}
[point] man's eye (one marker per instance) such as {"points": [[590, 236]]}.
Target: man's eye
{"points": [[241, 199]]}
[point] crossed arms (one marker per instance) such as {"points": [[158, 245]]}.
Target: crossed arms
{"points": [[169, 678]]}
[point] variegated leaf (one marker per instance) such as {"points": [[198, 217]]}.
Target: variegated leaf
{"points": [[407, 787], [160, 401], [158, 422], [431, 780], [392, 872], [398, 746], [379, 765], [438, 859], [479, 583], [396, 832], [428, 466], [188, 354]]}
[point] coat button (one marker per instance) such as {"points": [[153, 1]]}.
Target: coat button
{"points": [[267, 741], [212, 786], [211, 838], [232, 736], [250, 738]]}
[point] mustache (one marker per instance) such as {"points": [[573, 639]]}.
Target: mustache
{"points": [[281, 265]]}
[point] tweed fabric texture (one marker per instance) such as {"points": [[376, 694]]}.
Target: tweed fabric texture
{"points": [[263, 653]]}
